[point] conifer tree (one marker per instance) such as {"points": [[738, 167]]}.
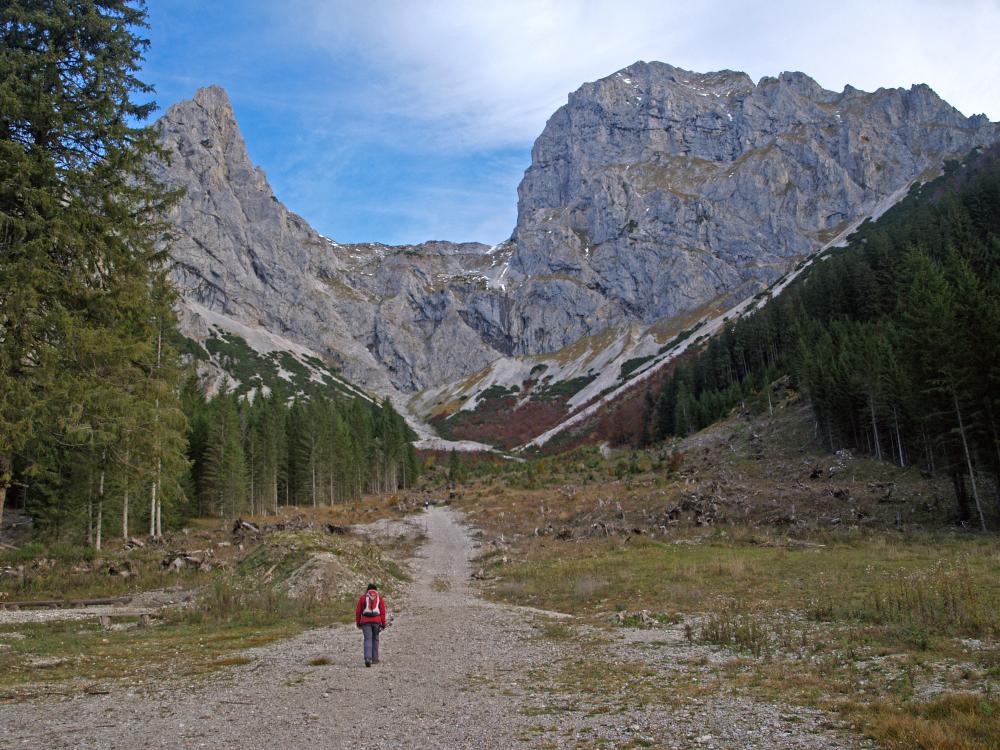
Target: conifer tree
{"points": [[79, 224], [224, 472]]}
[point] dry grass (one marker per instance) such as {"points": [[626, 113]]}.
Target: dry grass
{"points": [[237, 610], [855, 626], [833, 583], [61, 570], [950, 722], [901, 582], [946, 598], [367, 509]]}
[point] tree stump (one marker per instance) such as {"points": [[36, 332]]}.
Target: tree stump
{"points": [[105, 621], [144, 621]]}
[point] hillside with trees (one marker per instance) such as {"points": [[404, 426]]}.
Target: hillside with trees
{"points": [[894, 340], [102, 430]]}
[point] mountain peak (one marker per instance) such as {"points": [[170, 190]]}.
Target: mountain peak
{"points": [[210, 106], [652, 193], [213, 97], [205, 130]]}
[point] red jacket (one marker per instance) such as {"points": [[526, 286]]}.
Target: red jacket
{"points": [[360, 618]]}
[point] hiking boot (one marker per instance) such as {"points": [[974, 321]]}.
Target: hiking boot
{"points": [[374, 661], [368, 662]]}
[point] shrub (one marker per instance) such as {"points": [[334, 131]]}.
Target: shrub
{"points": [[25, 553], [740, 631], [234, 600]]}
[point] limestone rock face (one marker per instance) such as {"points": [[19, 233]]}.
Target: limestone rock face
{"points": [[657, 189], [651, 192], [390, 317]]}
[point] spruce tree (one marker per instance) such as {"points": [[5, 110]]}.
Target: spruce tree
{"points": [[79, 224]]}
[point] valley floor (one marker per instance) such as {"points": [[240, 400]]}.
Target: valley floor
{"points": [[457, 672]]}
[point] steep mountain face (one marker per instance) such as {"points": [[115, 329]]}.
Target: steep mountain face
{"points": [[652, 193], [388, 317], [656, 190]]}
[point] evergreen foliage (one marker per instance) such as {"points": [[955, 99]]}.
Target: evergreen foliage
{"points": [[895, 340], [251, 457], [101, 431], [88, 400]]}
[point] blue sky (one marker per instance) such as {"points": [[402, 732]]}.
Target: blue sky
{"points": [[400, 122]]}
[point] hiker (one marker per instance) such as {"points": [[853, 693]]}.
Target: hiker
{"points": [[370, 617]]}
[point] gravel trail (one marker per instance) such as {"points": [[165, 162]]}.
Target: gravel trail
{"points": [[456, 672], [444, 649]]}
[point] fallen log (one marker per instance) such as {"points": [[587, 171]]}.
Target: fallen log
{"points": [[60, 603]]}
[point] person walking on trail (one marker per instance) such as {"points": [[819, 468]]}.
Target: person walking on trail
{"points": [[370, 617]]}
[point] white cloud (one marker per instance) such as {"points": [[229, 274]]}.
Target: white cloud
{"points": [[478, 75]]}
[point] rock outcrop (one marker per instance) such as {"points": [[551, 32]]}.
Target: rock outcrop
{"points": [[657, 189], [388, 317], [651, 192]]}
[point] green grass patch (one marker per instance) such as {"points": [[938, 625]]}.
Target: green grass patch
{"points": [[277, 370], [678, 339], [631, 365], [564, 389], [497, 391], [707, 576], [81, 651]]}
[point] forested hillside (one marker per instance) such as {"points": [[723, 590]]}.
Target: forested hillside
{"points": [[895, 340], [102, 430], [252, 456]]}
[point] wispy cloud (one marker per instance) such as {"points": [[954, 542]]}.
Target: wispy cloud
{"points": [[401, 120], [490, 74]]}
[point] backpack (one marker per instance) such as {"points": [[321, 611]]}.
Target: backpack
{"points": [[373, 605]]}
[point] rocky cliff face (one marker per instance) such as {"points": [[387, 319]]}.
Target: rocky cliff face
{"points": [[388, 317], [650, 193], [657, 189]]}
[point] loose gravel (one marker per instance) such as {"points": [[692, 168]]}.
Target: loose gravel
{"points": [[456, 672]]}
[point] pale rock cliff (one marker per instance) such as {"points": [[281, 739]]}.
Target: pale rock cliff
{"points": [[650, 193]]}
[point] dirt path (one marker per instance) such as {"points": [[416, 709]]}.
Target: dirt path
{"points": [[456, 672]]}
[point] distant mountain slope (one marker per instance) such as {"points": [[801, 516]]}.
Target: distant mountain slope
{"points": [[652, 194], [251, 361], [893, 340], [584, 381], [656, 190], [388, 317]]}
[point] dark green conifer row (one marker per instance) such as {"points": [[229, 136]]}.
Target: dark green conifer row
{"points": [[895, 340], [88, 407], [97, 431], [254, 456]]}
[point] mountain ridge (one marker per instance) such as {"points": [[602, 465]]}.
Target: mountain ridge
{"points": [[652, 192]]}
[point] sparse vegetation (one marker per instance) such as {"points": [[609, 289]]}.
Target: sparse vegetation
{"points": [[855, 624], [250, 599], [817, 591]]}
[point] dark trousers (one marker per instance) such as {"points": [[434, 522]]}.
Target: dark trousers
{"points": [[371, 631]]}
